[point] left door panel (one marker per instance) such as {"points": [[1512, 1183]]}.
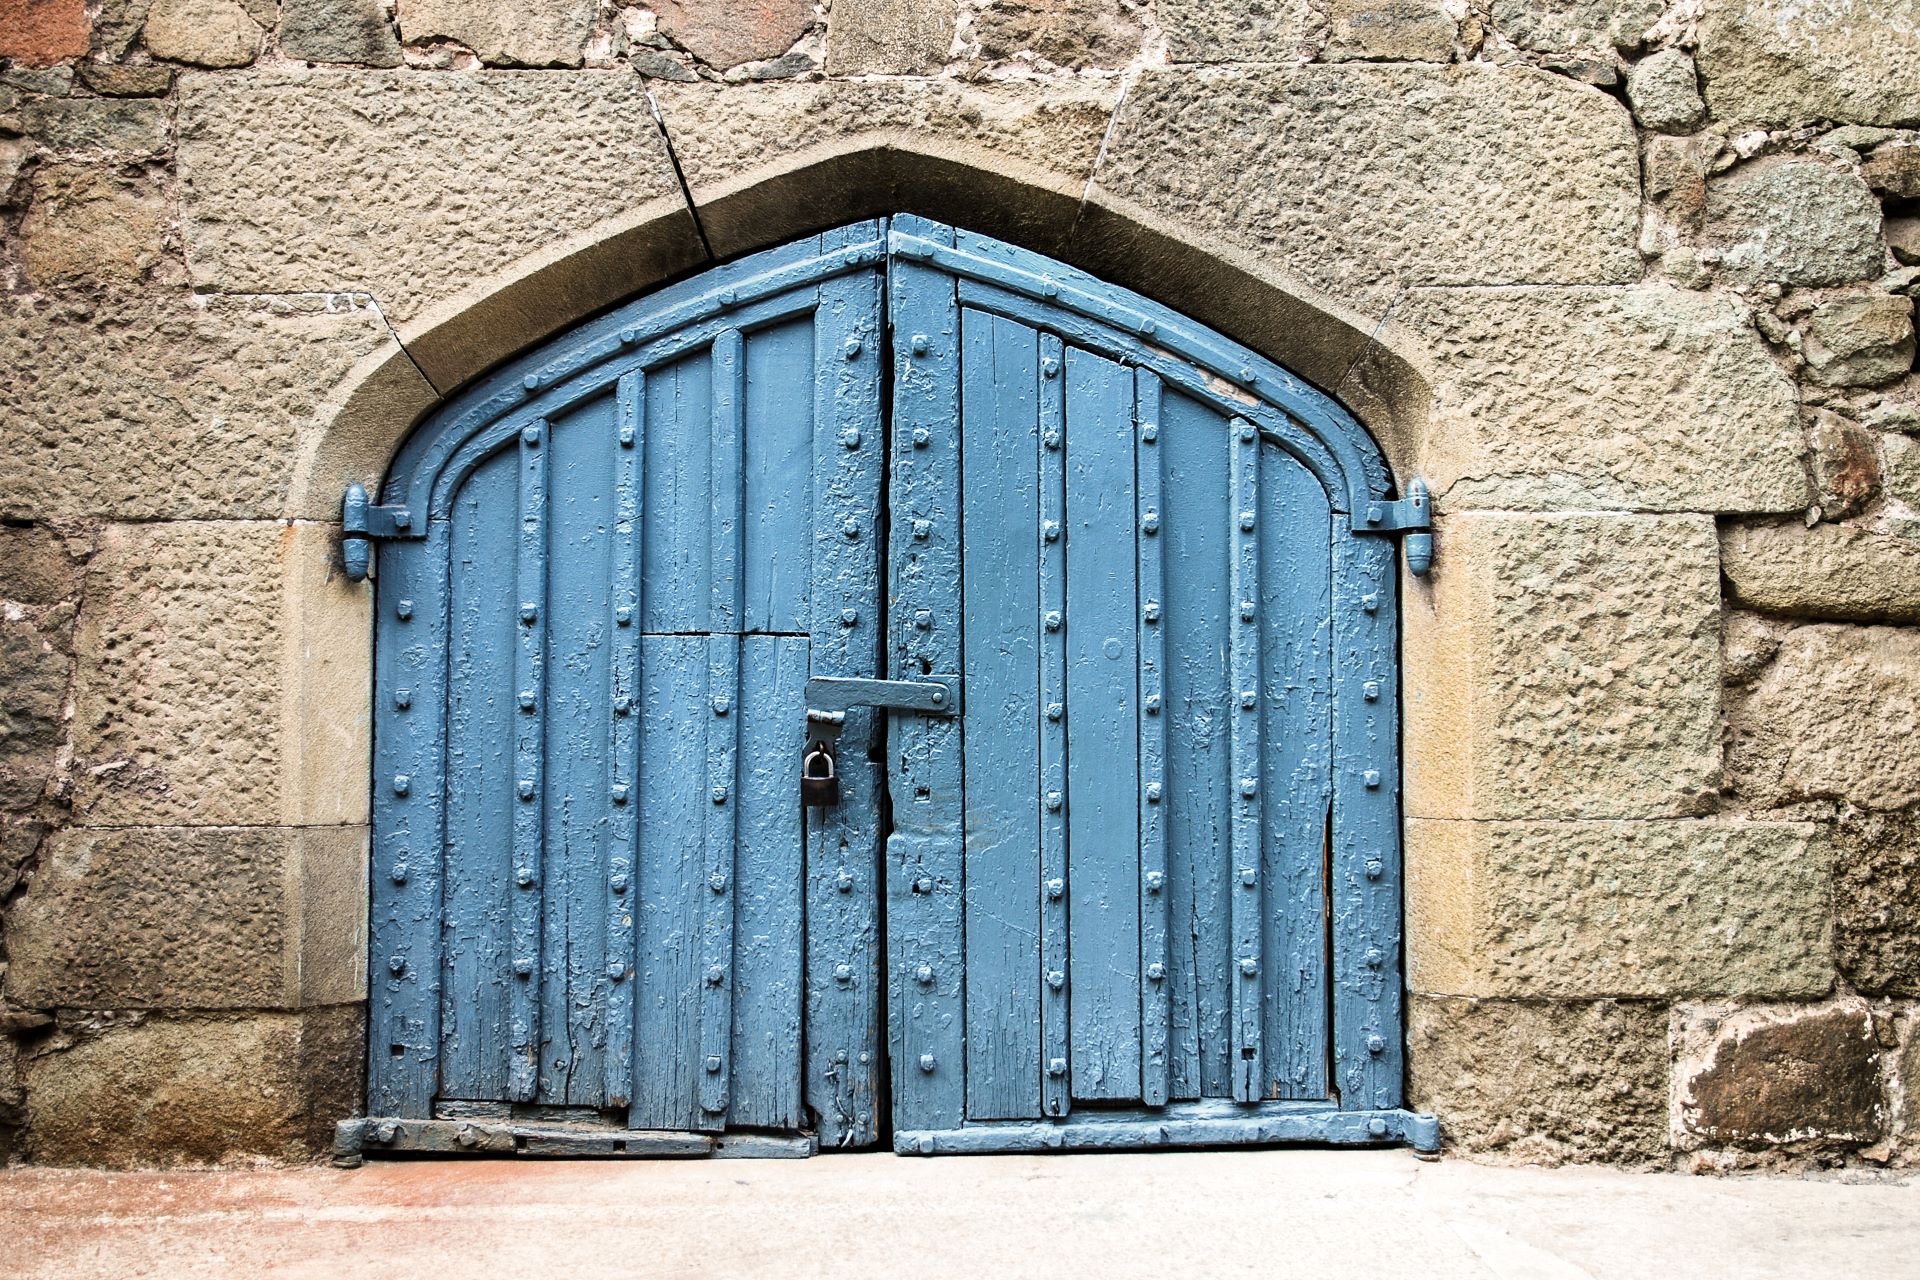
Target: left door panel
{"points": [[596, 896]]}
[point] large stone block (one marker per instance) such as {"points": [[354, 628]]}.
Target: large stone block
{"points": [[1777, 1076], [1392, 30], [126, 128], [144, 407], [1794, 221], [1876, 901], [1542, 1082], [1845, 572], [203, 33], [177, 696], [545, 33], [89, 225], [349, 31], [1074, 34], [1564, 666], [405, 185], [36, 662], [889, 37], [1643, 399], [39, 33], [725, 34], [1836, 715], [1575, 26], [1559, 910], [1784, 61], [1362, 179], [194, 1089], [1238, 31]]}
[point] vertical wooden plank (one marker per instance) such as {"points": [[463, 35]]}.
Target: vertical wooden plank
{"points": [[1244, 665], [843, 842], [623, 852], [678, 497], [1296, 708], [581, 796], [1055, 1029], [479, 889], [529, 754], [408, 818], [1000, 590], [1103, 745], [777, 457], [723, 689], [925, 875], [670, 890], [1195, 518], [768, 898], [1366, 822], [1155, 998]]}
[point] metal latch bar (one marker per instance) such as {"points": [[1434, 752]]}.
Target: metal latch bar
{"points": [[830, 697]]}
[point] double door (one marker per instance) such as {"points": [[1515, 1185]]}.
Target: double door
{"points": [[1129, 878]]}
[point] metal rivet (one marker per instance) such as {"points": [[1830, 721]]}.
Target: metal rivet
{"points": [[849, 616], [619, 793], [399, 873], [923, 619], [402, 784], [523, 967], [922, 530], [622, 705], [1050, 530], [1375, 513], [396, 964], [852, 349], [530, 434], [923, 885], [850, 437], [721, 704], [616, 970], [525, 788], [403, 698], [1246, 522], [1055, 711], [1370, 691], [922, 437], [920, 344], [1249, 788], [629, 336], [1370, 777], [1246, 611], [626, 436], [1051, 439], [1053, 802], [1053, 619], [530, 381], [402, 518], [1249, 877], [1155, 881], [1149, 431], [1151, 612], [715, 976], [623, 615], [713, 1064], [1150, 520], [1377, 1128], [717, 882], [1153, 704], [1056, 1067], [529, 612], [840, 1056], [938, 697], [526, 700], [850, 528], [1048, 288], [1056, 887], [1049, 368], [1156, 971], [1374, 957], [523, 876], [1370, 602], [923, 975], [926, 1062], [403, 609], [1249, 967], [1248, 698], [719, 795], [618, 883], [1056, 979], [1374, 868], [843, 882], [1153, 793], [843, 973], [1376, 1044]]}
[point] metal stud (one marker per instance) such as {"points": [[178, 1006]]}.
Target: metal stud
{"points": [[927, 1063], [1150, 520], [523, 967], [402, 784], [622, 705], [1249, 968], [1249, 788], [1370, 691], [529, 612], [721, 704], [1050, 530], [403, 698], [1153, 704], [1370, 777], [1248, 698], [923, 619], [525, 788], [1374, 868], [1055, 711], [526, 699], [1376, 1044], [850, 528], [849, 616], [523, 876], [717, 882], [1373, 957], [1246, 611], [1056, 1067], [1149, 431], [1246, 428], [924, 975], [844, 882], [618, 883], [1056, 887], [1156, 971], [922, 437], [1051, 439], [623, 616], [1053, 802], [843, 973], [920, 344], [1370, 602], [1246, 522], [1249, 877], [1056, 979], [1153, 793], [616, 970], [1049, 368], [922, 530], [1052, 620], [396, 965], [923, 885], [619, 793], [852, 349], [850, 437], [531, 434], [1377, 1127], [1156, 880], [1151, 611], [713, 1064], [403, 609], [719, 795], [715, 976], [626, 435], [629, 336], [399, 873]]}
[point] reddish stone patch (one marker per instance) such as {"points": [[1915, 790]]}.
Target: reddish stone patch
{"points": [[40, 33], [726, 33]]}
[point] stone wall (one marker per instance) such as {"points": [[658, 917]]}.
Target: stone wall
{"points": [[1630, 282]]}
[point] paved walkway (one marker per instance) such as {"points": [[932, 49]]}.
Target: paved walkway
{"points": [[1268, 1213]]}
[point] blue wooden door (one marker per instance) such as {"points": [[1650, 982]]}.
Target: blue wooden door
{"points": [[1142, 889]]}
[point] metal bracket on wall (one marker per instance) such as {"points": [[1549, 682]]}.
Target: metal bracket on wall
{"points": [[1411, 515], [361, 522]]}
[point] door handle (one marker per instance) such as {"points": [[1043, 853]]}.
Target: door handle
{"points": [[830, 697]]}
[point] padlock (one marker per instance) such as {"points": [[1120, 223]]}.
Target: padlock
{"points": [[819, 781]]}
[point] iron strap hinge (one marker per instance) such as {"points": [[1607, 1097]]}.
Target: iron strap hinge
{"points": [[1412, 516], [361, 521]]}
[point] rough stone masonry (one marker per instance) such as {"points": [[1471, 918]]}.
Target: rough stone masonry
{"points": [[1652, 266]]}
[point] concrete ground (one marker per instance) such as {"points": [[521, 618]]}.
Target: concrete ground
{"points": [[1268, 1213]]}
